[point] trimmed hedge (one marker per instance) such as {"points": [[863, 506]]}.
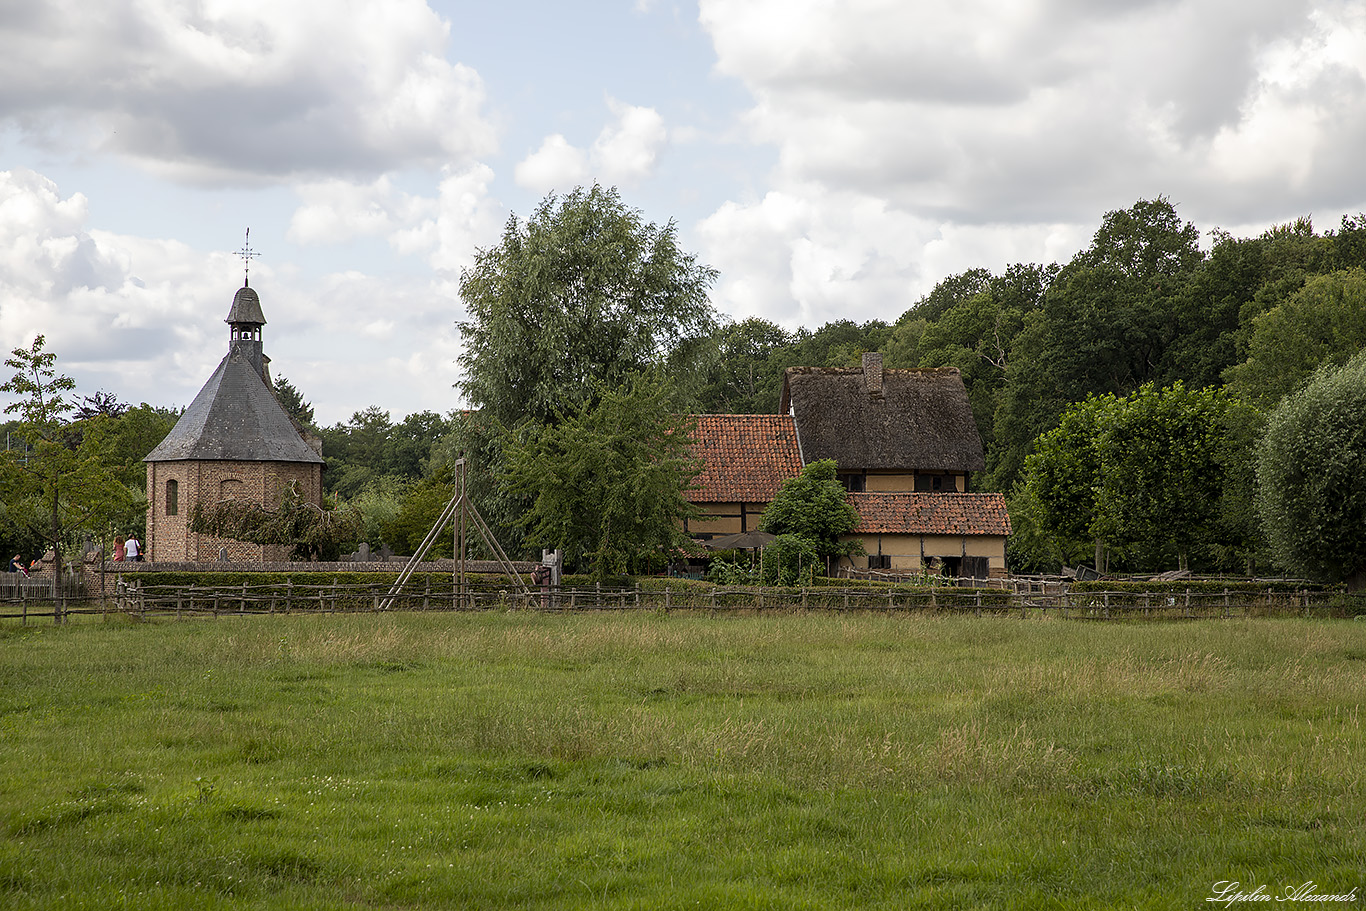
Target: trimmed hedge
{"points": [[1202, 586], [252, 579]]}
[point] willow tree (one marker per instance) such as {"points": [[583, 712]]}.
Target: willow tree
{"points": [[573, 300]]}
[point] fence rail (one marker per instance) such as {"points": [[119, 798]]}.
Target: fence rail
{"points": [[137, 599]]}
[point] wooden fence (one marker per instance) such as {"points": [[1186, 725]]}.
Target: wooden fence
{"points": [[141, 600]]}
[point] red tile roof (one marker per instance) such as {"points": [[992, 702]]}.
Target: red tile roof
{"points": [[931, 513], [746, 457]]}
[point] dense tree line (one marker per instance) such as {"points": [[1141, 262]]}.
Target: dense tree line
{"points": [[1121, 396]]}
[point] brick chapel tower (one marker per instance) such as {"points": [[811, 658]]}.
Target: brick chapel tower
{"points": [[234, 441]]}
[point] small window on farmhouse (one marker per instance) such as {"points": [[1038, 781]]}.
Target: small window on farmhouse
{"points": [[172, 498], [880, 561], [933, 483], [852, 482]]}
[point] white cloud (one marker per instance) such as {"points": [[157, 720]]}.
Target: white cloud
{"points": [[334, 211], [464, 219], [915, 139], [624, 154], [143, 318], [244, 90], [555, 166]]}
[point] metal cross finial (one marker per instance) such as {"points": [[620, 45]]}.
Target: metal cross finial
{"points": [[247, 254]]}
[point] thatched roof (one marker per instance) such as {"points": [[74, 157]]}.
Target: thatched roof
{"points": [[931, 514], [745, 457], [873, 419]]}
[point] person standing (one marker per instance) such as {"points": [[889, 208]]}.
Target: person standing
{"points": [[133, 549], [120, 551]]}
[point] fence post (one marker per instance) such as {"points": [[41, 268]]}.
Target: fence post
{"points": [[289, 594], [1107, 605], [242, 604], [846, 599], [1188, 601], [177, 604], [667, 599], [979, 602], [1225, 602], [637, 596], [803, 597]]}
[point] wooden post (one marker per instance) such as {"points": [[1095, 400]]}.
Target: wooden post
{"points": [[289, 594], [242, 604], [666, 599], [1225, 602]]}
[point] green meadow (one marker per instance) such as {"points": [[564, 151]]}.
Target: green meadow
{"points": [[651, 760]]}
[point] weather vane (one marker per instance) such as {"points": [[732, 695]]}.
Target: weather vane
{"points": [[247, 254]]}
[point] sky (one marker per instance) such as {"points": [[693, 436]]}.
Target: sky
{"points": [[832, 160]]}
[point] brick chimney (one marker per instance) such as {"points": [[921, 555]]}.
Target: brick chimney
{"points": [[872, 372]]}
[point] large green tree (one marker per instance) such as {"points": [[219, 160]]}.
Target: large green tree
{"points": [[815, 507], [1107, 321], [1146, 476], [1324, 322], [745, 375], [57, 482], [572, 301], [1311, 476], [607, 482]]}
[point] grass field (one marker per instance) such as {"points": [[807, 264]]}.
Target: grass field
{"points": [[502, 760]]}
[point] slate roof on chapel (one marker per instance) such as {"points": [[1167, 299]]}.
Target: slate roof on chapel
{"points": [[745, 457], [236, 416], [931, 513]]}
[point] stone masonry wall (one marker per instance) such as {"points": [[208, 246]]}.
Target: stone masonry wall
{"points": [[168, 533]]}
